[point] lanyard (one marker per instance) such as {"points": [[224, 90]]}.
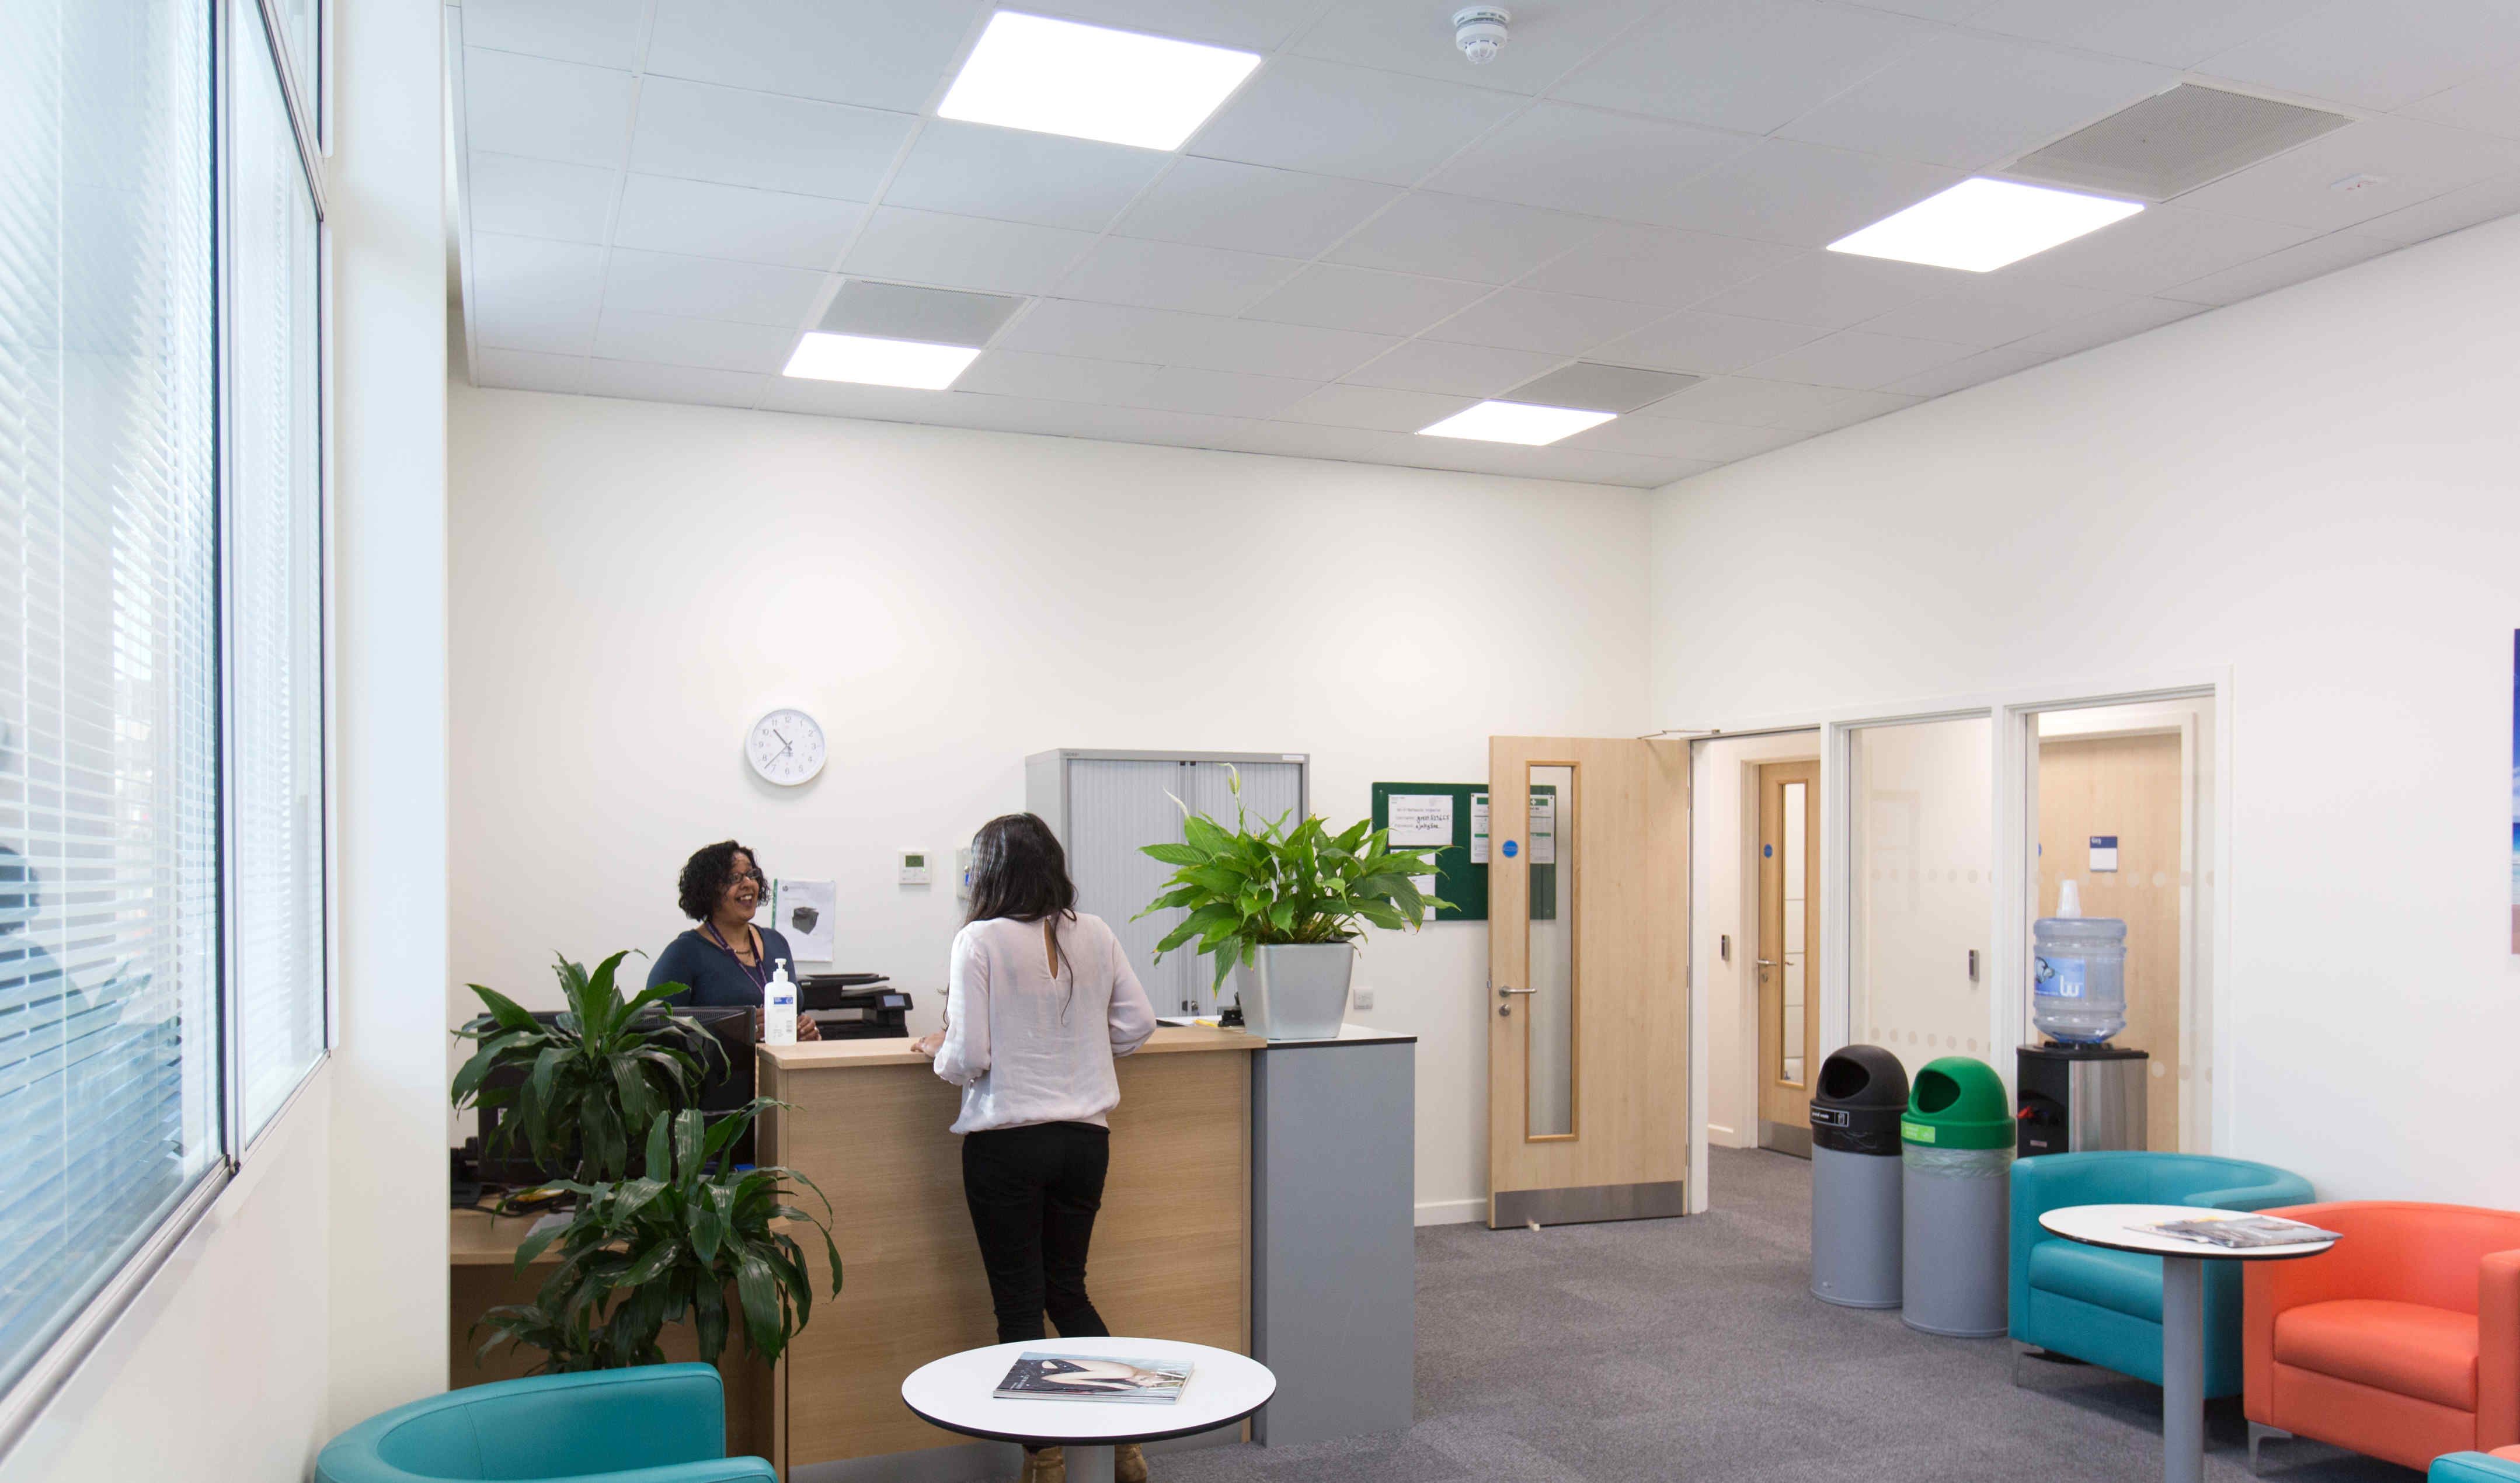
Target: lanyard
{"points": [[758, 970]]}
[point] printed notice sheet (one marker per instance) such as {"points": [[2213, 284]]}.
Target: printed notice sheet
{"points": [[1422, 818]]}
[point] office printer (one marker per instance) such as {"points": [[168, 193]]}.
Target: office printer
{"points": [[855, 1005]]}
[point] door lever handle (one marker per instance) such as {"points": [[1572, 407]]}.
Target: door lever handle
{"points": [[1766, 963], [1503, 993]]}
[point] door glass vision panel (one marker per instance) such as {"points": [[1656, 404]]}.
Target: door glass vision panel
{"points": [[1551, 1018], [1789, 1017]]}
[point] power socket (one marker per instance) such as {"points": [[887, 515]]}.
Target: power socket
{"points": [[1359, 998]]}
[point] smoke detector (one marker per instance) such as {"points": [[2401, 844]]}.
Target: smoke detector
{"points": [[1479, 32]]}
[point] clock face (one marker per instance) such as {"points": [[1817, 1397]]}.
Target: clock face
{"points": [[786, 747]]}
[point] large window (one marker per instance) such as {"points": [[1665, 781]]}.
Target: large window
{"points": [[161, 820]]}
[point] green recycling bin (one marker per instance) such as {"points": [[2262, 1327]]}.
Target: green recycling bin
{"points": [[1956, 1157]]}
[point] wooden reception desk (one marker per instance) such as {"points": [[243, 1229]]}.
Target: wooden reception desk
{"points": [[867, 1122]]}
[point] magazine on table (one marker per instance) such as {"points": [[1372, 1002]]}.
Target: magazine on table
{"points": [[2239, 1233], [1042, 1375]]}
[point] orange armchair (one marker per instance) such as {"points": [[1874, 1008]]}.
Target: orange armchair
{"points": [[2402, 1342]]}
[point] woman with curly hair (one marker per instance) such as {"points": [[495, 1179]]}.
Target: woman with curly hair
{"points": [[726, 959]]}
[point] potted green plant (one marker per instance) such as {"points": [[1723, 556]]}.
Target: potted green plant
{"points": [[639, 1254], [590, 1080], [1281, 909]]}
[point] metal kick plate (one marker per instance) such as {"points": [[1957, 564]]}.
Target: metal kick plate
{"points": [[1591, 1202]]}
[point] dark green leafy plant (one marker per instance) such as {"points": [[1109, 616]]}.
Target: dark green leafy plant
{"points": [[593, 1078], [1247, 890], [647, 1252]]}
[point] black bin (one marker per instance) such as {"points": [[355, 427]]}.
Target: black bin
{"points": [[1856, 1180]]}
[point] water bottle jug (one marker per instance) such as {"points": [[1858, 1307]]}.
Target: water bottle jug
{"points": [[778, 1010], [2077, 974]]}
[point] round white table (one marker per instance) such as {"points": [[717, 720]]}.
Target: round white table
{"points": [[958, 1393], [2182, 1307]]}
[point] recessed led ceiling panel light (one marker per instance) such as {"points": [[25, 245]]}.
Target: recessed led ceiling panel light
{"points": [[1517, 423], [1979, 225], [878, 362], [1091, 82]]}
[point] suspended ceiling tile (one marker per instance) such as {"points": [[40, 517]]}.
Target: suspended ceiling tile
{"points": [[1705, 344], [875, 53], [1365, 298], [528, 369], [1994, 312], [710, 288], [916, 312], [1970, 371], [2276, 270], [1224, 393], [1116, 331], [1223, 203], [1970, 102], [1319, 116], [2377, 56], [2158, 248], [648, 382], [1858, 360], [1251, 25], [674, 339], [517, 196], [964, 251], [1954, 12], [1749, 66], [1572, 158], [1598, 387], [1831, 291], [1775, 404], [545, 109], [977, 169], [2407, 163], [534, 294], [1805, 195], [1386, 408], [1555, 324], [1061, 378], [2177, 33], [598, 33], [1681, 437], [1658, 266], [702, 220], [700, 131], [1165, 275], [2484, 200], [1425, 365], [1492, 241], [2130, 317], [2489, 105], [1415, 38], [883, 404]]}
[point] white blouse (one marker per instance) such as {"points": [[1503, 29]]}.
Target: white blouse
{"points": [[1028, 1046]]}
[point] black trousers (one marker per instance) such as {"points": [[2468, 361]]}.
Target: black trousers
{"points": [[1033, 1193]]}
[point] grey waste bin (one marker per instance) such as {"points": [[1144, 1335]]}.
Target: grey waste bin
{"points": [[1855, 1175], [1955, 1160]]}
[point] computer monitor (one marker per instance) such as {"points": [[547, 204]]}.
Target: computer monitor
{"points": [[725, 1086]]}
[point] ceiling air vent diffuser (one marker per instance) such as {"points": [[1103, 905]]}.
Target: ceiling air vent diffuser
{"points": [[2173, 141]]}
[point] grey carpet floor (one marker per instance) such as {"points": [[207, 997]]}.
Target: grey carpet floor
{"points": [[1692, 1349]]}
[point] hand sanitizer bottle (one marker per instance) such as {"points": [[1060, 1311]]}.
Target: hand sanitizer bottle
{"points": [[778, 1010]]}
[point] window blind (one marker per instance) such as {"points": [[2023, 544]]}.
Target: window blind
{"points": [[109, 1088]]}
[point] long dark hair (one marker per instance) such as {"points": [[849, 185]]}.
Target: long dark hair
{"points": [[1018, 870]]}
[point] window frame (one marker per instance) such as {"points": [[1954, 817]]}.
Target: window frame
{"points": [[93, 1326]]}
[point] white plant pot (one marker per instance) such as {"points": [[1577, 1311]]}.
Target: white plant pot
{"points": [[1296, 991]]}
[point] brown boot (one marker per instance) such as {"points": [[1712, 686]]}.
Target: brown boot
{"points": [[1047, 1465], [1128, 1463]]}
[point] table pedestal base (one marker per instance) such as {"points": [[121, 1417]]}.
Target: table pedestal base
{"points": [[1089, 1464], [2182, 1370]]}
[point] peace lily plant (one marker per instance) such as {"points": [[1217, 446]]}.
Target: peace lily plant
{"points": [[1281, 909]]}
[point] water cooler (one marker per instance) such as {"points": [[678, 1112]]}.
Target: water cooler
{"points": [[2077, 1098]]}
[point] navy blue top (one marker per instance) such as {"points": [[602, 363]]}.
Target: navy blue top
{"points": [[714, 976]]}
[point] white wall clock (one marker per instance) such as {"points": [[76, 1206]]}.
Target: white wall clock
{"points": [[786, 747]]}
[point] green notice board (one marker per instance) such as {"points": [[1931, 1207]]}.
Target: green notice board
{"points": [[1460, 866]]}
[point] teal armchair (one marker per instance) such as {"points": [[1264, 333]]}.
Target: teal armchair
{"points": [[2498, 1466], [654, 1423], [2104, 1307]]}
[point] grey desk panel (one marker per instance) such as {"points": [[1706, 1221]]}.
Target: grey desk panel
{"points": [[1334, 1281]]}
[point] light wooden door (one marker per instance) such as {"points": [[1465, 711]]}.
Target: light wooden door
{"points": [[1588, 999], [2127, 787], [1788, 958]]}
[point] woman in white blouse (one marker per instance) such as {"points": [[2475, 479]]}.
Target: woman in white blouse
{"points": [[1040, 1001]]}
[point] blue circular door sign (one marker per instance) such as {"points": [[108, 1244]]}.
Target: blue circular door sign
{"points": [[1510, 849], [1767, 852]]}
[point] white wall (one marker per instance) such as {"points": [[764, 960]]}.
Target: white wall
{"points": [[314, 1292], [2311, 491], [633, 584]]}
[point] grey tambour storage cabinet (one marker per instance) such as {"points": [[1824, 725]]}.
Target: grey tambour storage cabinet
{"points": [[1106, 805]]}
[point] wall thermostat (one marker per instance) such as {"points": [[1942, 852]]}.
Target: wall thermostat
{"points": [[914, 867]]}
